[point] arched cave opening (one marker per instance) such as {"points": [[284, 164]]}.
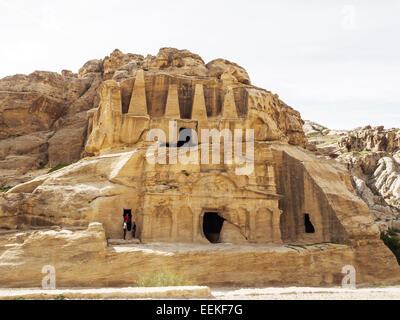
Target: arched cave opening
{"points": [[212, 226], [308, 224]]}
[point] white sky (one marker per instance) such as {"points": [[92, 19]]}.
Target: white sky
{"points": [[337, 62]]}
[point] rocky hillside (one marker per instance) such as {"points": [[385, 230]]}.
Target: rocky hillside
{"points": [[372, 155], [44, 115]]}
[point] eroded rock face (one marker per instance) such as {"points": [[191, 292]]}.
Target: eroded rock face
{"points": [[131, 107], [372, 156], [81, 258], [376, 177], [372, 139], [55, 107], [285, 195], [43, 122]]}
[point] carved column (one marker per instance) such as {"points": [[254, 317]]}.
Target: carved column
{"points": [[174, 227], [197, 225], [146, 228], [276, 226], [252, 226]]}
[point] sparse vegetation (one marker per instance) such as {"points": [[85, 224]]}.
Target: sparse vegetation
{"points": [[60, 297], [164, 278], [354, 153], [304, 246], [392, 241], [319, 243], [41, 165], [58, 167], [393, 202], [322, 141], [314, 134], [4, 189]]}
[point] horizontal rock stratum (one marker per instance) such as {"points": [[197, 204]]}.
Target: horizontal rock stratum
{"points": [[83, 259], [99, 121]]}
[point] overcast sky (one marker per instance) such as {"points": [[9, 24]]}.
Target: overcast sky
{"points": [[337, 62]]}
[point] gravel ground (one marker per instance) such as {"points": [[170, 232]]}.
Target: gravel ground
{"points": [[292, 293], [296, 293]]}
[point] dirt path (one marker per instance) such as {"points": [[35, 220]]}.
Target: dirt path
{"points": [[297, 293], [292, 293]]}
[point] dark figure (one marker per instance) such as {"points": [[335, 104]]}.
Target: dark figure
{"points": [[134, 230], [127, 219]]}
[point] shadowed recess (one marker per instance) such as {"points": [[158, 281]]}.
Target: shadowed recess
{"points": [[214, 98], [186, 96], [157, 94], [212, 226], [241, 100]]}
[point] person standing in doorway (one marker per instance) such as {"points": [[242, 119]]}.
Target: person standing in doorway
{"points": [[125, 227]]}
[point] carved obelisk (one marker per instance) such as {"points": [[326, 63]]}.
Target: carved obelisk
{"points": [[138, 104]]}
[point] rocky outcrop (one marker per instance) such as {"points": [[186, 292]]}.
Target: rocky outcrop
{"points": [[372, 155], [273, 197], [119, 66], [49, 111], [314, 129], [372, 139], [43, 122], [376, 177]]}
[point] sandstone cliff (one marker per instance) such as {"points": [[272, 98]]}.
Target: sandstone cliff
{"points": [[97, 121], [43, 122], [372, 155], [44, 115]]}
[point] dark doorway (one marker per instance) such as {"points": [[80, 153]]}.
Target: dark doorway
{"points": [[212, 226], [185, 138], [128, 212], [308, 225]]}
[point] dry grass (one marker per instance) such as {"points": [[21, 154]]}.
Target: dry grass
{"points": [[164, 278]]}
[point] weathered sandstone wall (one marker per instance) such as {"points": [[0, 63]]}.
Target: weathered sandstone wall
{"points": [[82, 259]]}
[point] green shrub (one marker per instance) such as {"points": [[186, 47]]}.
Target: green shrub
{"points": [[164, 278], [4, 189], [391, 240], [58, 167]]}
